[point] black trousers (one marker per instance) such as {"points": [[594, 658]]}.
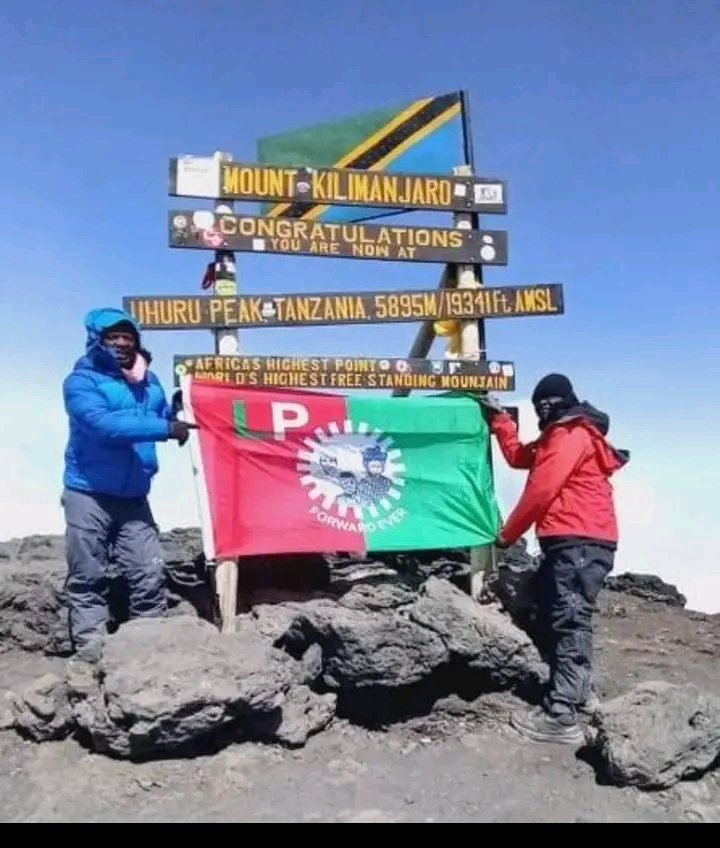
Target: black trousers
{"points": [[569, 581]]}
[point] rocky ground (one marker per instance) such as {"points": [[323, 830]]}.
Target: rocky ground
{"points": [[371, 691]]}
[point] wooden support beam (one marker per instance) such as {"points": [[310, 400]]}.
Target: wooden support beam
{"points": [[227, 342]]}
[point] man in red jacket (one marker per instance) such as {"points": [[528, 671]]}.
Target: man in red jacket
{"points": [[568, 497]]}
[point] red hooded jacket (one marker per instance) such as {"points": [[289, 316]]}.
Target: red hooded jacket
{"points": [[568, 491]]}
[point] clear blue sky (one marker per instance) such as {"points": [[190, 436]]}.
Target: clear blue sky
{"points": [[603, 117]]}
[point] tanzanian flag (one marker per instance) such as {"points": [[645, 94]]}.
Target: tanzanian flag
{"points": [[292, 472], [426, 136]]}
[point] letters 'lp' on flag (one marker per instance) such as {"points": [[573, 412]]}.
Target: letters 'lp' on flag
{"points": [[425, 136], [296, 472]]}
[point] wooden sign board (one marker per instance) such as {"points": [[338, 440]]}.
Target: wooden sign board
{"points": [[208, 230], [202, 312], [332, 372], [196, 176]]}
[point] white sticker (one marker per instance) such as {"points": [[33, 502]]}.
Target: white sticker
{"points": [[460, 190], [197, 176], [488, 193], [494, 367], [508, 369], [487, 253], [203, 220], [226, 287], [258, 244]]}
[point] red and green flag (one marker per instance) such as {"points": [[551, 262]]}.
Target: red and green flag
{"points": [[293, 472]]}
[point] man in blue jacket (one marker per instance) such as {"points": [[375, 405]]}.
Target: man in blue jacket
{"points": [[117, 411]]}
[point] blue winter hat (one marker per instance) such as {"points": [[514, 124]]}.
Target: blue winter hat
{"points": [[98, 321]]}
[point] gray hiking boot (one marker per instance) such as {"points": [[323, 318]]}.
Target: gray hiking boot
{"points": [[591, 706], [82, 669], [541, 726]]}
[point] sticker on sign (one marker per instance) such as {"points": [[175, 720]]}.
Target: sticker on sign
{"points": [[488, 193], [198, 176]]}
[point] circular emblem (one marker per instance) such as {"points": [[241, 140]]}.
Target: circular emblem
{"points": [[203, 219], [180, 222], [488, 253], [356, 471]]}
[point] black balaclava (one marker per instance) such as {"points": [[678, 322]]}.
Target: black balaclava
{"points": [[552, 397]]}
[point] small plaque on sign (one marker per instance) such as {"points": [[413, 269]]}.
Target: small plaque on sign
{"points": [[198, 176]]}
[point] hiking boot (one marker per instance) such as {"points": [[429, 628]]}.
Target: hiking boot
{"points": [[81, 677], [591, 706], [82, 669], [541, 726]]}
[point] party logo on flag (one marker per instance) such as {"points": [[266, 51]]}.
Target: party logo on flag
{"points": [[352, 473]]}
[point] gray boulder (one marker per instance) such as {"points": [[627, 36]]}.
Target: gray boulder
{"points": [[367, 639], [303, 714], [479, 637], [647, 586], [32, 615], [387, 637], [42, 710], [178, 684], [658, 734]]}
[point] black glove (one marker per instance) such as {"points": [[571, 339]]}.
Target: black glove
{"points": [[501, 544], [177, 404], [492, 404], [180, 431]]}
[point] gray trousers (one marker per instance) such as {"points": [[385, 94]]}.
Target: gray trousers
{"points": [[95, 524], [570, 580]]}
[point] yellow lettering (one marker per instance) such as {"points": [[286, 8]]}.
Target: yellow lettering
{"points": [[304, 310], [317, 233], [319, 185], [372, 251], [215, 308], [255, 309], [376, 192], [418, 192], [231, 179], [228, 226], [430, 304], [433, 192], [358, 187]]}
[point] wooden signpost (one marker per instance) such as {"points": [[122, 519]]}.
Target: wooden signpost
{"points": [[300, 195], [335, 372], [187, 312], [202, 177], [205, 230]]}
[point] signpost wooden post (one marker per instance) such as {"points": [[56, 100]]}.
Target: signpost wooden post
{"points": [[473, 347], [295, 225], [227, 342]]}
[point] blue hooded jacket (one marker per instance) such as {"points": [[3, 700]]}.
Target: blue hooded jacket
{"points": [[113, 424]]}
